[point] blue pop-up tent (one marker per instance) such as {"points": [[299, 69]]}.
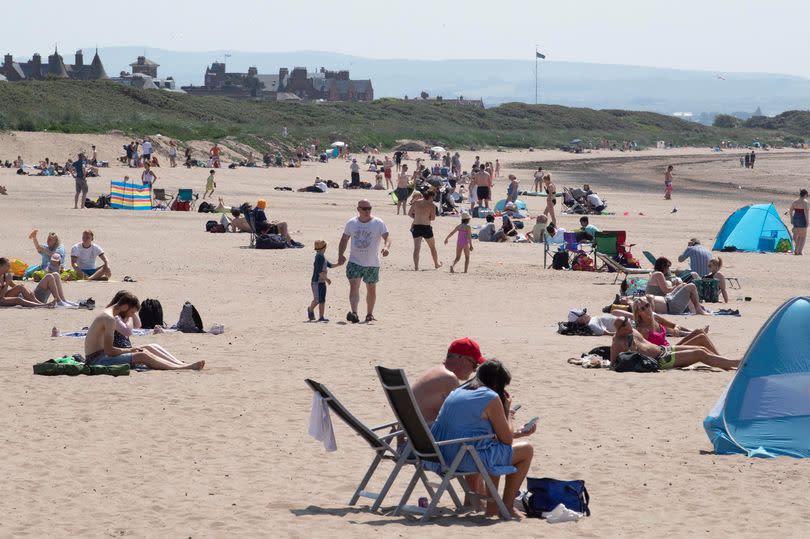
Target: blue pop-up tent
{"points": [[765, 411], [752, 228]]}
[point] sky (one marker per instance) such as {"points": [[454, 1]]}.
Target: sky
{"points": [[715, 35]]}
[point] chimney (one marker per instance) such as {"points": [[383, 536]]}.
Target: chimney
{"points": [[252, 71], [8, 60], [79, 58], [141, 60]]}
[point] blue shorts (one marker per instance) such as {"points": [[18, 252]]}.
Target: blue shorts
{"points": [[88, 272], [112, 360], [319, 292]]}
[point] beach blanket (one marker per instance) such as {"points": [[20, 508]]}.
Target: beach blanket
{"points": [[135, 332], [130, 196], [75, 365]]}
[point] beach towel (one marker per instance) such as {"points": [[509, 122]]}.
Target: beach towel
{"points": [[139, 332], [320, 423], [74, 365], [130, 196]]}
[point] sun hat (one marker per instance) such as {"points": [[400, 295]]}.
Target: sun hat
{"points": [[467, 347], [261, 203], [56, 258], [320, 244], [574, 314]]}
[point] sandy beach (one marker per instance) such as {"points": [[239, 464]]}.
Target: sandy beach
{"points": [[224, 452]]}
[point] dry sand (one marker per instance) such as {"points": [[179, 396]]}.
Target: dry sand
{"points": [[224, 452]]}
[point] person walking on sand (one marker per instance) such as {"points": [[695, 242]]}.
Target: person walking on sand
{"points": [[551, 198], [423, 213], [401, 191], [365, 232], [388, 167], [463, 243], [98, 344], [798, 218], [172, 153], [79, 173], [668, 183], [213, 153], [210, 185], [483, 187]]}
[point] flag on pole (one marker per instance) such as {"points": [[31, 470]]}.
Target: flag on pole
{"points": [[540, 55], [130, 196]]}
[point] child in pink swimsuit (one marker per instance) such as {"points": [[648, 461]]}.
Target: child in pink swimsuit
{"points": [[463, 243]]}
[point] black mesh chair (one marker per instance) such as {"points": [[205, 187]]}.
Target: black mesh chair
{"points": [[381, 445], [427, 451], [247, 211]]}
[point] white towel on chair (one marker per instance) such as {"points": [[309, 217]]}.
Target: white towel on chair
{"points": [[320, 423]]}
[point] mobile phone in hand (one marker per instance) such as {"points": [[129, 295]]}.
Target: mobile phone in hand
{"points": [[531, 423]]}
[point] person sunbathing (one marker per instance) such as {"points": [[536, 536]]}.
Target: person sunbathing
{"points": [[655, 328], [237, 223], [628, 339], [124, 328], [3, 190], [677, 298], [99, 348], [13, 295]]}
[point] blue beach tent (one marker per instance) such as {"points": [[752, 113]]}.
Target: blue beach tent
{"points": [[752, 228], [765, 411]]}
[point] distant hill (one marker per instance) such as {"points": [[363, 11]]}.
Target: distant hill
{"points": [[500, 81], [93, 107], [792, 121]]}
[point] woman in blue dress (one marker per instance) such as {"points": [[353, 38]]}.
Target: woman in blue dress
{"points": [[481, 408]]}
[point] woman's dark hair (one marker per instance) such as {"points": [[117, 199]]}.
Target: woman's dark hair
{"points": [[235, 212], [490, 218], [492, 374], [551, 229], [123, 297], [803, 193], [661, 264], [583, 220], [3, 261]]}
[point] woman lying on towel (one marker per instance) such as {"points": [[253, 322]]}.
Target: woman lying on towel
{"points": [[123, 331], [655, 328]]}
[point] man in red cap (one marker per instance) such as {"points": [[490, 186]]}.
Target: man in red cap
{"points": [[463, 358]]}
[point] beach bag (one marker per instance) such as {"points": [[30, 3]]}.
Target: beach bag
{"points": [[179, 205], [213, 226], [151, 314], [18, 267], [560, 260], [205, 207], [190, 321], [636, 286], [270, 241], [634, 362], [708, 289], [783, 246], [545, 494], [582, 262]]}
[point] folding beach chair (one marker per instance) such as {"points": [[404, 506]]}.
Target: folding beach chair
{"points": [[188, 195], [733, 282], [381, 445], [618, 268], [248, 213], [426, 450], [161, 199], [571, 199]]}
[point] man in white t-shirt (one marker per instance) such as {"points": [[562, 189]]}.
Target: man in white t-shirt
{"points": [[146, 150], [83, 259], [355, 169], [595, 203], [365, 231], [599, 325]]}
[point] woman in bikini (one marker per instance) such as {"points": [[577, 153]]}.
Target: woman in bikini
{"points": [[10, 293], [798, 218], [551, 198], [655, 328], [672, 298], [668, 183]]}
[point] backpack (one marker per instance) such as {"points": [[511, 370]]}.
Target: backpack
{"points": [[545, 494], [560, 260], [151, 314], [271, 241], [634, 362], [205, 207], [190, 321], [209, 225], [783, 246]]}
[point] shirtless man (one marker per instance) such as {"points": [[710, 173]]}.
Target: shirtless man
{"points": [[423, 213], [402, 190], [463, 358], [238, 223], [628, 339], [99, 349], [388, 166], [483, 187]]}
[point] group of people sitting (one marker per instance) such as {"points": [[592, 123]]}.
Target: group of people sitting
{"points": [[49, 272], [456, 407]]}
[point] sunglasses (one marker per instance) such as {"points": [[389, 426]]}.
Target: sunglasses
{"points": [[364, 208]]}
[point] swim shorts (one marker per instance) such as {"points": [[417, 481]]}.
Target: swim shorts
{"points": [[666, 359], [799, 220], [42, 294], [88, 272], [319, 292], [369, 274], [402, 194], [104, 359], [422, 231], [483, 192], [387, 173]]}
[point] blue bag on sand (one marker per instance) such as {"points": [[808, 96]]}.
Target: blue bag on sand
{"points": [[545, 494]]}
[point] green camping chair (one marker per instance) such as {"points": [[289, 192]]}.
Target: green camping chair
{"points": [[188, 195]]}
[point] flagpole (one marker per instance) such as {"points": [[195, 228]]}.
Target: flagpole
{"points": [[535, 74]]}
